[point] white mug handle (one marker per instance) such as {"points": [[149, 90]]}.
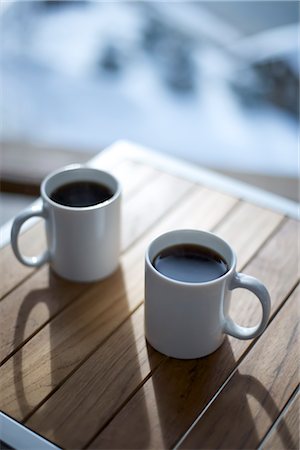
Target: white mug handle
{"points": [[31, 261], [241, 280]]}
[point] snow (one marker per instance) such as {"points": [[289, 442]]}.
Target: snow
{"points": [[55, 93]]}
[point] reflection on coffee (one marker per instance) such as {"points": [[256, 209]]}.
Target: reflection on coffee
{"points": [[190, 263], [80, 194]]}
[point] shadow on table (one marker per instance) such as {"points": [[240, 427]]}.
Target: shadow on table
{"points": [[47, 297], [177, 391], [52, 418], [184, 388], [257, 390]]}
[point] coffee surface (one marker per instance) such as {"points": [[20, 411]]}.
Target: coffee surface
{"points": [[190, 263], [80, 194]]}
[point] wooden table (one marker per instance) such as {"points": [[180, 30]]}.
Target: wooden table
{"points": [[75, 364]]}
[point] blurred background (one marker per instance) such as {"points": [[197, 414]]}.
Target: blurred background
{"points": [[213, 83]]}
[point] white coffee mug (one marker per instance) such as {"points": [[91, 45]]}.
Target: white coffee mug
{"points": [[83, 242], [189, 320]]}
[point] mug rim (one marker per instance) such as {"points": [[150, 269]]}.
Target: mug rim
{"points": [[77, 167], [231, 269]]}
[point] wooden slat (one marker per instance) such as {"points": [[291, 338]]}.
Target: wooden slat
{"points": [[31, 305], [132, 177], [100, 407], [252, 400], [85, 377], [280, 274], [260, 222], [106, 381], [179, 390], [15, 308], [88, 321], [285, 435], [148, 204], [47, 420], [32, 242], [196, 211]]}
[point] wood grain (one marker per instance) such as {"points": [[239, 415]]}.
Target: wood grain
{"points": [[196, 211], [20, 309], [260, 222], [102, 385], [48, 414], [158, 196], [101, 409], [42, 364], [272, 269], [132, 174], [82, 373], [179, 390], [32, 242], [32, 304], [252, 400], [285, 434]]}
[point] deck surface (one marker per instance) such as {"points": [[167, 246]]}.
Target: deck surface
{"points": [[75, 366]]}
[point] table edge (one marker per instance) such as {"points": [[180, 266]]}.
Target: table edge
{"points": [[19, 436], [212, 179], [179, 167]]}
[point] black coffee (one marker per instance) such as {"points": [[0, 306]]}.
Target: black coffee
{"points": [[190, 263], [80, 194]]}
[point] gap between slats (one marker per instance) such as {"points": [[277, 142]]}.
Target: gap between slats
{"points": [[199, 194], [162, 368], [221, 388], [232, 210], [294, 398], [245, 434], [165, 183], [235, 370], [34, 237]]}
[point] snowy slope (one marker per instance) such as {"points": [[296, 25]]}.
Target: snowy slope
{"points": [[55, 92]]}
